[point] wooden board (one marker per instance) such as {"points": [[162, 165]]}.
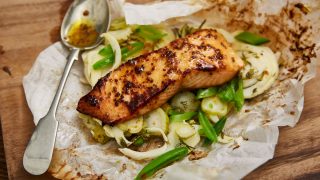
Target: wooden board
{"points": [[27, 27]]}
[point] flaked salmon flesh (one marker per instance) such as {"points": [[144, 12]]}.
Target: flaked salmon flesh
{"points": [[200, 60]]}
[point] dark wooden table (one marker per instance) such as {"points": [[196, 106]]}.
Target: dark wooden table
{"points": [[28, 27]]}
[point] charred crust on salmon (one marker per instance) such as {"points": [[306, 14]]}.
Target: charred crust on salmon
{"points": [[93, 101]]}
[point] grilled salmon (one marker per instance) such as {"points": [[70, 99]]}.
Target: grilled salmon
{"points": [[202, 59]]}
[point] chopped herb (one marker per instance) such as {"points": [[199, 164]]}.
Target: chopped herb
{"points": [[250, 73], [184, 31], [138, 141], [202, 23]]}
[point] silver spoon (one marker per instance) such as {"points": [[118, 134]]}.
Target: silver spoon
{"points": [[38, 154]]}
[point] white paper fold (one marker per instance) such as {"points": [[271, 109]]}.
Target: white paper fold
{"points": [[77, 155], [156, 13]]}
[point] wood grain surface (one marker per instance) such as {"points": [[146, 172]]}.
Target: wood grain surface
{"points": [[28, 27]]}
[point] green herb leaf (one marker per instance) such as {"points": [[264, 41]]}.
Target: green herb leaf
{"points": [[226, 93], [203, 93], [162, 161], [233, 92], [251, 38]]}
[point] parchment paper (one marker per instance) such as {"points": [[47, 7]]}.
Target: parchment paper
{"points": [[256, 126]]}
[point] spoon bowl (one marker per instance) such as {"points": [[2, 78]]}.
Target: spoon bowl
{"points": [[82, 18], [94, 11]]}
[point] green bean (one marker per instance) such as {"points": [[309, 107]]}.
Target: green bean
{"points": [[239, 97], [162, 161], [207, 127], [132, 49], [251, 38], [149, 33], [201, 132], [106, 51], [172, 112], [203, 93], [182, 117], [108, 54], [104, 62], [219, 125]]}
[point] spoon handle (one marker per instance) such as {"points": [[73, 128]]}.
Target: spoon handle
{"points": [[74, 54], [38, 154]]}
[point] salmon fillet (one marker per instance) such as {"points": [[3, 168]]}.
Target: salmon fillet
{"points": [[202, 59]]}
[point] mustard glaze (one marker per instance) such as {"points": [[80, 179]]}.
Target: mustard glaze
{"points": [[82, 33]]}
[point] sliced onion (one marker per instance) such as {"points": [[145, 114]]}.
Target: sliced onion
{"points": [[193, 140], [185, 130], [156, 130], [122, 34], [119, 136], [132, 126], [225, 139], [173, 139], [157, 118], [148, 154], [144, 155], [89, 58]]}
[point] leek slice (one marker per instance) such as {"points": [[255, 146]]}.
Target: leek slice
{"points": [[157, 118], [151, 154], [184, 130], [144, 155], [185, 102], [132, 126], [214, 106]]}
